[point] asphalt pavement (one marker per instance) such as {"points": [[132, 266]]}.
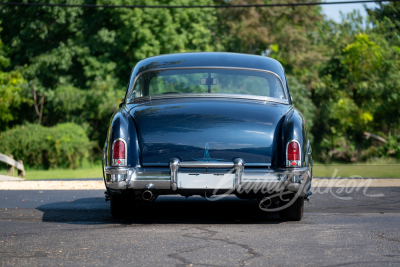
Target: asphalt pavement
{"points": [[74, 228]]}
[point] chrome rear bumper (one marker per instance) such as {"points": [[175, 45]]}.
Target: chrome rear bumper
{"points": [[158, 178]]}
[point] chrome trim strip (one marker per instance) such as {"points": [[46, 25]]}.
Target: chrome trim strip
{"points": [[206, 164], [293, 171], [258, 164], [157, 175], [114, 161], [113, 170], [231, 96], [152, 178], [157, 165], [210, 67], [297, 161]]}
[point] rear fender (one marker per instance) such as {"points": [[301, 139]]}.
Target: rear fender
{"points": [[122, 126], [294, 128]]}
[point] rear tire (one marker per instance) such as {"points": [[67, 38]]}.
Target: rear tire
{"points": [[121, 206], [294, 212]]}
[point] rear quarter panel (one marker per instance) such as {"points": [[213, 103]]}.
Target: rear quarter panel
{"points": [[294, 128], [122, 126]]}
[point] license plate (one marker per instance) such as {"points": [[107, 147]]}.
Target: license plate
{"points": [[206, 181]]}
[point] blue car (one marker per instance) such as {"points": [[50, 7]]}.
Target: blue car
{"points": [[208, 124]]}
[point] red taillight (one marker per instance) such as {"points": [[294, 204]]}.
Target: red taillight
{"points": [[119, 150], [293, 151]]}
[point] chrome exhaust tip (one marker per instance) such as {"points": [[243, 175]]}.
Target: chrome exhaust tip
{"points": [[265, 203], [147, 195]]}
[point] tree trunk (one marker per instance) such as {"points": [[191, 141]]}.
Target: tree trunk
{"points": [[38, 105]]}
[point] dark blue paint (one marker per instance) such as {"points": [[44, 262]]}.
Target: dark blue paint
{"points": [[256, 131], [294, 129], [232, 128], [123, 126]]}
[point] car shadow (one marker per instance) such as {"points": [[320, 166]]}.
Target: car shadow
{"points": [[165, 210]]}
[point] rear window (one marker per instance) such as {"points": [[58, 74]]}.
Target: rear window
{"points": [[208, 81]]}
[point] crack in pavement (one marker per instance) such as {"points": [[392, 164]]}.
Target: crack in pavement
{"points": [[184, 260], [383, 236], [15, 254], [362, 263], [210, 237]]}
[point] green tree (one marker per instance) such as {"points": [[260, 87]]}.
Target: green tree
{"points": [[77, 61], [386, 26], [11, 83], [287, 34], [385, 21], [302, 101], [10, 96], [357, 88]]}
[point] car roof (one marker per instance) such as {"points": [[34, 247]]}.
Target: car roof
{"points": [[210, 59]]}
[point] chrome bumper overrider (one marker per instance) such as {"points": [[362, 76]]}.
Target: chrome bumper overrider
{"points": [[159, 178]]}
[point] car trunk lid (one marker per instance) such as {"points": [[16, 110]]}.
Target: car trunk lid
{"points": [[206, 129]]}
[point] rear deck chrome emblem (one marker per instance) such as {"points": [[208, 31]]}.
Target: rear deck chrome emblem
{"points": [[207, 155]]}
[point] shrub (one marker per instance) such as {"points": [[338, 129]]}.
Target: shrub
{"points": [[392, 147], [64, 145]]}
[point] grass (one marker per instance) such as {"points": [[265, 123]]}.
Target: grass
{"points": [[375, 168], [362, 170], [87, 171], [94, 171]]}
